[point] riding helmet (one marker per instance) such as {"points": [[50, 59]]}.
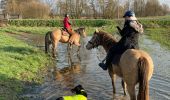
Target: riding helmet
{"points": [[129, 13]]}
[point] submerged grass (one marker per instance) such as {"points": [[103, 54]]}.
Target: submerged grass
{"points": [[19, 64]]}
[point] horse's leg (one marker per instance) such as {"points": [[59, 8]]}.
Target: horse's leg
{"points": [[69, 49], [113, 83], [47, 46], [69, 54], [131, 90], [124, 87], [78, 51], [54, 46], [47, 42], [113, 78]]}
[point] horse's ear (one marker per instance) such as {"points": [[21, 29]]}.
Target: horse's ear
{"points": [[97, 31]]}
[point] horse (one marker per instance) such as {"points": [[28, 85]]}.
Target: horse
{"points": [[134, 66], [58, 35]]}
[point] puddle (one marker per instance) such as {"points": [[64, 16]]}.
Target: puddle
{"points": [[85, 71]]}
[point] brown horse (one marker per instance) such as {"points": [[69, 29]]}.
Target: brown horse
{"points": [[56, 36], [135, 66]]}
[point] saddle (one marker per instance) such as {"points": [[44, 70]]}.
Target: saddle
{"points": [[65, 32]]}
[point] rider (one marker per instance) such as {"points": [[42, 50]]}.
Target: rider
{"points": [[129, 40], [67, 26]]}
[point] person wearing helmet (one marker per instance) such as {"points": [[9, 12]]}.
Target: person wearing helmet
{"points": [[129, 40], [67, 26]]}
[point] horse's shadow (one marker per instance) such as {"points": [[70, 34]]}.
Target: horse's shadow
{"points": [[20, 50]]}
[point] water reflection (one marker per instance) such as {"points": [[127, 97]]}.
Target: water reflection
{"points": [[63, 75], [67, 71]]}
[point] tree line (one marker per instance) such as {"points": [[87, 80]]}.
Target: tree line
{"points": [[85, 8]]}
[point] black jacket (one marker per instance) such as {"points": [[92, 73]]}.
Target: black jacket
{"points": [[129, 40]]}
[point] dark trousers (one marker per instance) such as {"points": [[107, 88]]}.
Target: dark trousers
{"points": [[117, 50], [113, 51]]}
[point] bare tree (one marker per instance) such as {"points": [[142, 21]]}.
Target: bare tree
{"points": [[92, 3], [88, 8]]}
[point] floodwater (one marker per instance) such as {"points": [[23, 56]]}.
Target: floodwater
{"points": [[68, 72]]}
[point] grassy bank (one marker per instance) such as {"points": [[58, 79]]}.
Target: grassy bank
{"points": [[162, 35], [43, 30], [19, 65]]}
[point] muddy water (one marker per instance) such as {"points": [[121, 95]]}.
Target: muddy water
{"points": [[68, 72]]}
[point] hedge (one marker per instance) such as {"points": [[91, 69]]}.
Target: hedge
{"points": [[59, 23], [85, 22]]}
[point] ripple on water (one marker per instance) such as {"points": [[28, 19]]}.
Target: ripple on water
{"points": [[97, 82]]}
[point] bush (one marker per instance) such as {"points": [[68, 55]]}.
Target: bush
{"points": [[59, 23], [148, 23]]}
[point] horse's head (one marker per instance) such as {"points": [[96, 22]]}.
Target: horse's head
{"points": [[101, 38], [81, 31], [95, 40]]}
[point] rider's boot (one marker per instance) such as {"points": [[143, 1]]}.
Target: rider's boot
{"points": [[109, 59]]}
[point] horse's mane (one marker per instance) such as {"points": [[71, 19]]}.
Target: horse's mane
{"points": [[78, 30], [107, 38]]}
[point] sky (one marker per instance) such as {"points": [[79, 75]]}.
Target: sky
{"points": [[165, 1]]}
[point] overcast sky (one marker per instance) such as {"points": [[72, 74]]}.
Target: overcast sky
{"points": [[165, 1]]}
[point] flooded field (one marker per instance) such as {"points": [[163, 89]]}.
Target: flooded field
{"points": [[68, 72]]}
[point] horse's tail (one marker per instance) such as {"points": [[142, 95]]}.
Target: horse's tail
{"points": [[143, 73], [47, 41]]}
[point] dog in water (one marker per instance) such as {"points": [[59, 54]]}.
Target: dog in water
{"points": [[80, 94]]}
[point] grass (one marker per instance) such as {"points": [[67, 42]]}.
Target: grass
{"points": [[159, 34], [33, 30], [162, 35], [20, 63], [43, 30]]}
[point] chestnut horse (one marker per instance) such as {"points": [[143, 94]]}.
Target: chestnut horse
{"points": [[56, 36], [134, 66]]}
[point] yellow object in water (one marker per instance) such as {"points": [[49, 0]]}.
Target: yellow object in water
{"points": [[75, 97]]}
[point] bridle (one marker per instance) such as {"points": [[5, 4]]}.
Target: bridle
{"points": [[95, 43]]}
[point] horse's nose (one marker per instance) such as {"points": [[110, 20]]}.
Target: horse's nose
{"points": [[87, 46]]}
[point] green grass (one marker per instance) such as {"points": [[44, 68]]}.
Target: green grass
{"points": [[19, 64], [162, 35], [33, 30], [43, 30]]}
